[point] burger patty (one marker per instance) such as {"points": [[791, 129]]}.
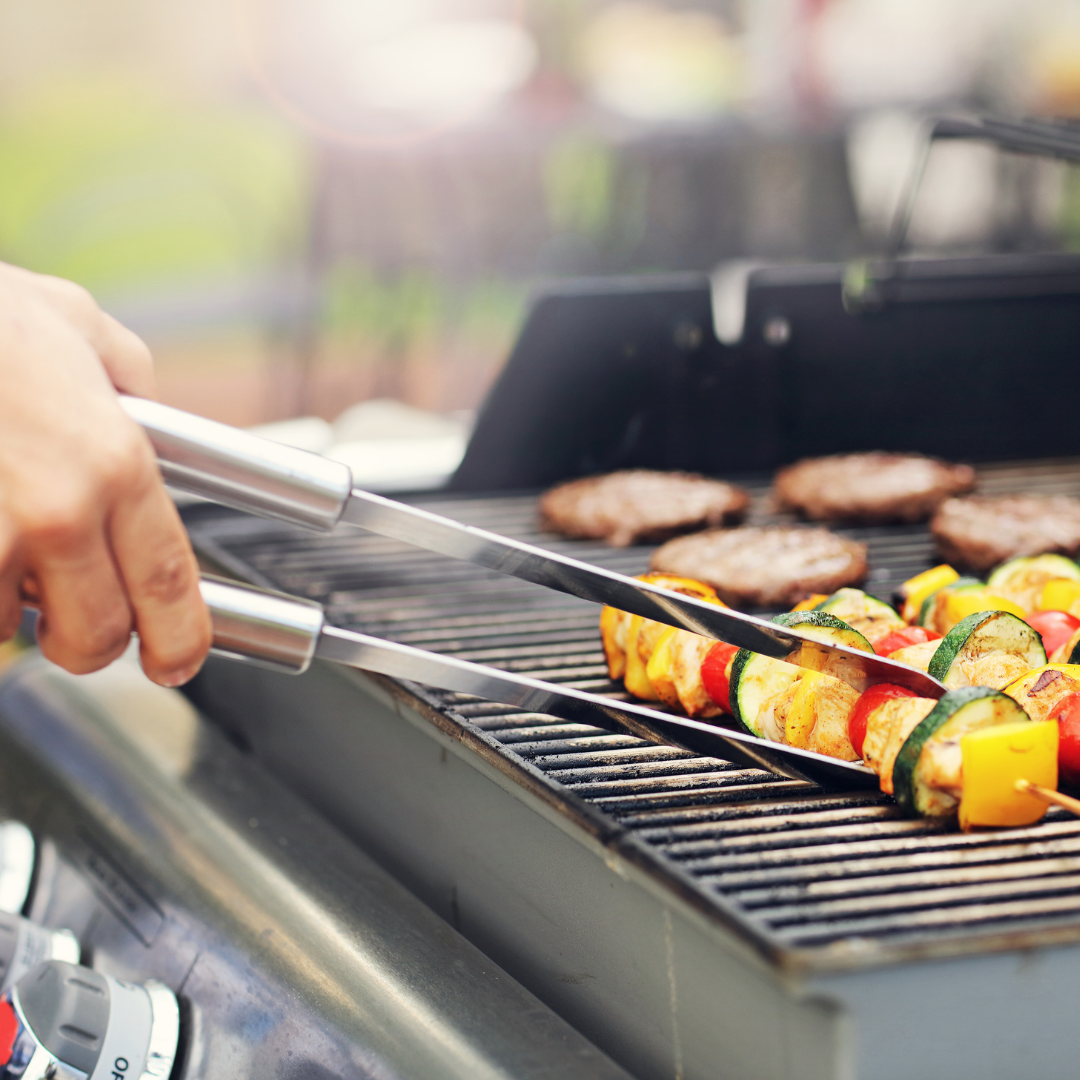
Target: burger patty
{"points": [[873, 488], [771, 566], [638, 505], [979, 532]]}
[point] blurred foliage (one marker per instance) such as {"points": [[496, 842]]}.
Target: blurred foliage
{"points": [[394, 314], [113, 185], [578, 183]]}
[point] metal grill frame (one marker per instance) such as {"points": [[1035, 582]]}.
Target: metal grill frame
{"points": [[715, 846]]}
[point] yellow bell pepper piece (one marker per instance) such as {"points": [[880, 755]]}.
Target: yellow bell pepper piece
{"points": [[810, 602], [959, 605], [1061, 594], [915, 590], [659, 670], [636, 679], [994, 759], [800, 719]]}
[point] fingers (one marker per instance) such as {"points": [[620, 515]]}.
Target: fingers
{"points": [[161, 579], [124, 355], [99, 543], [85, 621]]}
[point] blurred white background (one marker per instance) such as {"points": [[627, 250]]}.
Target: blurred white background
{"points": [[305, 204]]}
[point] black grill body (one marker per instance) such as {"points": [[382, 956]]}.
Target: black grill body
{"points": [[956, 357], [690, 917]]}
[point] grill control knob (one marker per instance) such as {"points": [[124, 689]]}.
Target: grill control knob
{"points": [[65, 1022], [24, 945]]}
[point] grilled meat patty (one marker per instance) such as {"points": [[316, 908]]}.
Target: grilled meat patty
{"points": [[979, 532], [772, 566], [638, 505], [872, 488]]}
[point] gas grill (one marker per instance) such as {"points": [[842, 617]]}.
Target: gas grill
{"points": [[691, 917]]}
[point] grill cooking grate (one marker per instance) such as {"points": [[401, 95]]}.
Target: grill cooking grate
{"points": [[837, 878]]}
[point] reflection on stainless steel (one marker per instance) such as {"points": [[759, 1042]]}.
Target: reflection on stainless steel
{"points": [[243, 470], [533, 695], [295, 955], [278, 632], [265, 478], [413, 525]]}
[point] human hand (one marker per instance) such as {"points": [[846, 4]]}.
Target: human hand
{"points": [[87, 531]]}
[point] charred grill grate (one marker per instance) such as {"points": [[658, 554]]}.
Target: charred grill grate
{"points": [[836, 878]]}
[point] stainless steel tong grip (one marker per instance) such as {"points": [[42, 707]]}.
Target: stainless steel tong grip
{"points": [[242, 470], [274, 631]]}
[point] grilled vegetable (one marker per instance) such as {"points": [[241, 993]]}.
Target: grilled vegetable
{"points": [[1069, 653], [659, 672], [1054, 627], [989, 648], [1038, 691], [615, 624], [765, 697], [716, 673], [954, 604], [872, 618], [994, 758], [871, 700], [932, 612], [810, 602], [904, 639], [911, 596], [1066, 712], [887, 728], [674, 671], [635, 677], [1022, 580], [927, 775], [1060, 594]]}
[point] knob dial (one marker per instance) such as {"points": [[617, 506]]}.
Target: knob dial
{"points": [[65, 1022], [24, 945]]}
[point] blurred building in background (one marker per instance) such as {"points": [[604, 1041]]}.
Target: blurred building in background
{"points": [[303, 204]]}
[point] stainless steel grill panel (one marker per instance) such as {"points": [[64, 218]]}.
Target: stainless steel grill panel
{"points": [[831, 878]]}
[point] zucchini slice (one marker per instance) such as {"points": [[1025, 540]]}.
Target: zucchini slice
{"points": [[1021, 580], [989, 648], [927, 776], [758, 683], [871, 617]]}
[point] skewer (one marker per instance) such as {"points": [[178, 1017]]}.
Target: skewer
{"points": [[1046, 795]]}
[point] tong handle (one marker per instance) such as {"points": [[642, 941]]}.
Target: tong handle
{"points": [[243, 470], [265, 628]]}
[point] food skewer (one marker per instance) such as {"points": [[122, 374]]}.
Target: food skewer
{"points": [[1050, 797]]}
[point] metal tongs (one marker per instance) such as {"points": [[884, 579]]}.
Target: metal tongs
{"points": [[254, 474]]}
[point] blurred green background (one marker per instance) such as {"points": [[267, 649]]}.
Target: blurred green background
{"points": [[301, 205]]}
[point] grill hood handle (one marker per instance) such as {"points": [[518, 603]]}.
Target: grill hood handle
{"points": [[285, 634]]}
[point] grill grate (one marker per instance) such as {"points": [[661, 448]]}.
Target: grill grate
{"points": [[838, 878]]}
